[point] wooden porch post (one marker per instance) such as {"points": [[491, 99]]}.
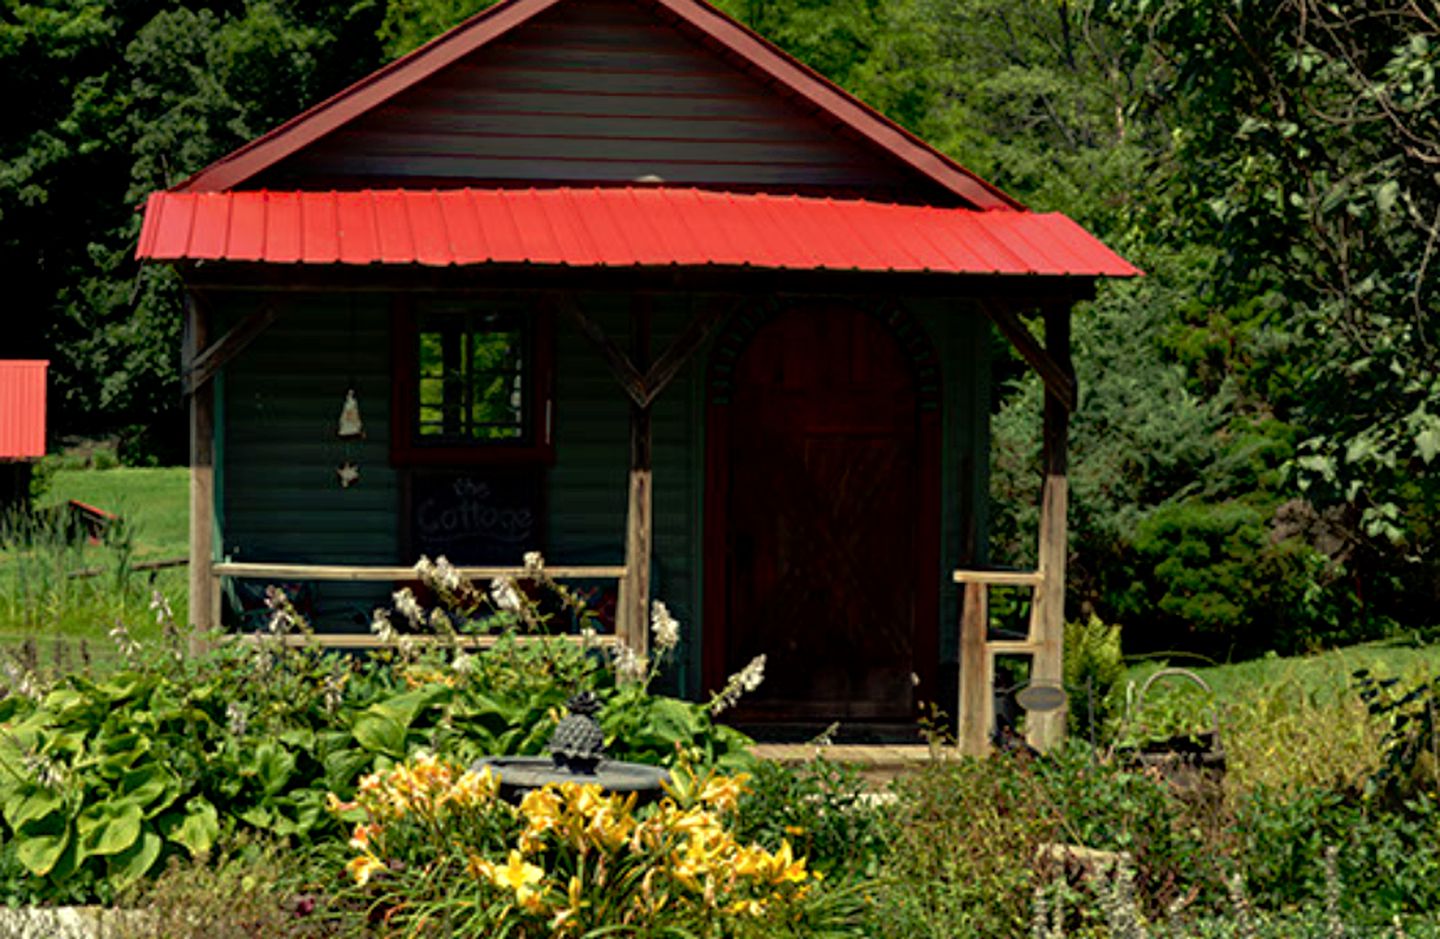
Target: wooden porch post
{"points": [[1047, 614], [977, 700], [638, 520], [642, 382], [203, 596]]}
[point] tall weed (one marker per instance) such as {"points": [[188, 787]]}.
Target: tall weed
{"points": [[53, 580]]}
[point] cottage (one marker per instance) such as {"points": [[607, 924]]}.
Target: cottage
{"points": [[619, 281], [22, 426]]}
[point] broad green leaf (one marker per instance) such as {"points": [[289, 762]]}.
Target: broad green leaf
{"points": [[273, 766], [36, 803], [1386, 195], [1427, 442], [380, 733], [298, 738], [66, 703], [674, 720], [342, 766], [403, 708], [151, 786], [309, 808], [108, 828], [196, 826], [258, 816], [122, 686], [39, 844], [1358, 449], [135, 861]]}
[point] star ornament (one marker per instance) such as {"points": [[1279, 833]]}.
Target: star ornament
{"points": [[349, 474]]}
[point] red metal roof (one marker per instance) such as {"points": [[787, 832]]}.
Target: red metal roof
{"points": [[22, 409], [622, 227], [748, 49]]}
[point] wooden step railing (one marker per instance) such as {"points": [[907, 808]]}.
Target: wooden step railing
{"points": [[978, 650]]}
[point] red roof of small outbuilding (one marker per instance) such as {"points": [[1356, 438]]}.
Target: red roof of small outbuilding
{"points": [[22, 409], [205, 219], [615, 227]]}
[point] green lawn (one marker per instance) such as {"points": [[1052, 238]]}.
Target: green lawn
{"points": [[1321, 675], [42, 599], [155, 502]]}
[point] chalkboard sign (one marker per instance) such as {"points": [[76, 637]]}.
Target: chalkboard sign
{"points": [[489, 516]]}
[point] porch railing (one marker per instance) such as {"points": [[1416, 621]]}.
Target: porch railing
{"points": [[978, 650], [381, 573]]}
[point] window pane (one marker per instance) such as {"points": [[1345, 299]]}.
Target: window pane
{"points": [[470, 377]]}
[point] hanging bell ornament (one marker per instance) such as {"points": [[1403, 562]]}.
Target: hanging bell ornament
{"points": [[350, 424]]}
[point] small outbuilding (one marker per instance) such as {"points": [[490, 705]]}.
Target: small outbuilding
{"points": [[621, 282], [22, 427]]}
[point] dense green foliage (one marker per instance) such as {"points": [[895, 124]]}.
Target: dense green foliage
{"points": [[1255, 451], [204, 783], [105, 778]]}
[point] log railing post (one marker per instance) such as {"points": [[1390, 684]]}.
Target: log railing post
{"points": [[203, 594], [639, 525], [976, 695], [1047, 614]]}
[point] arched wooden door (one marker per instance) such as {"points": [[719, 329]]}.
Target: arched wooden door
{"points": [[820, 548]]}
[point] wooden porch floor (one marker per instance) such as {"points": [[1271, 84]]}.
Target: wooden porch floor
{"points": [[878, 764]]}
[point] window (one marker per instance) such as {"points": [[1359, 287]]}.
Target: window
{"points": [[474, 384]]}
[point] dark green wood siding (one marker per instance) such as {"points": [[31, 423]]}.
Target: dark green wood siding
{"points": [[960, 333], [600, 92], [279, 497]]}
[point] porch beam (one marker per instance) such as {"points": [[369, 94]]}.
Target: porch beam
{"points": [[212, 358], [704, 279], [1047, 613], [204, 598], [1054, 369]]}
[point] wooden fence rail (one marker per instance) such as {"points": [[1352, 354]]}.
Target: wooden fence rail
{"points": [[382, 573]]}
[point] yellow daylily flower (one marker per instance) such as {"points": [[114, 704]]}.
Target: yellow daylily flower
{"points": [[363, 867], [723, 792], [517, 873], [784, 867]]}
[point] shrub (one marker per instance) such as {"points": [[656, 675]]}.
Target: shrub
{"points": [[825, 810], [252, 893], [966, 836], [1281, 736], [1094, 669], [1212, 574]]}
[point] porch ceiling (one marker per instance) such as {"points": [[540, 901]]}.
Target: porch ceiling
{"points": [[651, 227]]}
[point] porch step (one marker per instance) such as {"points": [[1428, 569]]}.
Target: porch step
{"points": [[878, 764]]}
